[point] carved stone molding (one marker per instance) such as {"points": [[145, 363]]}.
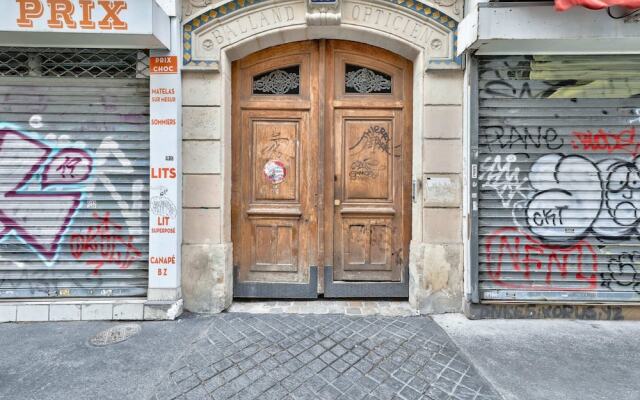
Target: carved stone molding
{"points": [[207, 34], [451, 7], [319, 13], [411, 21], [194, 7]]}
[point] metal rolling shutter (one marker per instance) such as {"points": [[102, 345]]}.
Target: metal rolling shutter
{"points": [[74, 173], [558, 178]]}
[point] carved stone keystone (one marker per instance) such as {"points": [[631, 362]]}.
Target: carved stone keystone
{"points": [[323, 12]]}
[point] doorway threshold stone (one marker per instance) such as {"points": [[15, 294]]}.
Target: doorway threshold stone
{"points": [[345, 307]]}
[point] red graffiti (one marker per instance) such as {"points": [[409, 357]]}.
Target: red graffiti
{"points": [[623, 141], [512, 257], [104, 239]]}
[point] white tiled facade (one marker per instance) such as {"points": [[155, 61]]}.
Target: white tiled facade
{"points": [[79, 310]]}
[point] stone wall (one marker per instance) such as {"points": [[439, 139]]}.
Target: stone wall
{"points": [[437, 260], [206, 258]]}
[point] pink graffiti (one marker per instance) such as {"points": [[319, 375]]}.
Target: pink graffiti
{"points": [[17, 207], [67, 167], [104, 239], [624, 141], [512, 256]]}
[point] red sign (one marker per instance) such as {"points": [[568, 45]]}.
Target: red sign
{"points": [[563, 5], [164, 65]]}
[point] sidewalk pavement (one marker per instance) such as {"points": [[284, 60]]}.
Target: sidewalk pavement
{"points": [[296, 356], [54, 360], [552, 359], [240, 356]]}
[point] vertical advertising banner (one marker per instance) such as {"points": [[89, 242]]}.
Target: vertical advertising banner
{"points": [[164, 201]]}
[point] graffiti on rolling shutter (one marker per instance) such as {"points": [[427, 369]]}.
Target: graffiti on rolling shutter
{"points": [[559, 175], [41, 167], [74, 172], [47, 206]]}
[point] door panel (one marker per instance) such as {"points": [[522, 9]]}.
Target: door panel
{"points": [[367, 246], [275, 167], [335, 157], [368, 161], [274, 221], [277, 208], [368, 213], [370, 110], [276, 245]]}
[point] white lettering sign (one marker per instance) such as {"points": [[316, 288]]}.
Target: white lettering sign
{"points": [[164, 174], [81, 16]]}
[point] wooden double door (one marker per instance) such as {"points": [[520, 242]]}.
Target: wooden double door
{"points": [[321, 188]]}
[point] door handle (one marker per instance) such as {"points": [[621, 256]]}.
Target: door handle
{"points": [[337, 202]]}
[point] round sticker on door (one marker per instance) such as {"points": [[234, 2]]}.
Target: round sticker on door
{"points": [[275, 171]]}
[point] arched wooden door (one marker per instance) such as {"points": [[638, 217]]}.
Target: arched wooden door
{"points": [[321, 188]]}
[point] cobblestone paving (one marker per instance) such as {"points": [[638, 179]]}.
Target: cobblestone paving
{"points": [[249, 356]]}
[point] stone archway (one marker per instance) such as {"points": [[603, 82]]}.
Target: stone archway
{"points": [[226, 31], [429, 28]]}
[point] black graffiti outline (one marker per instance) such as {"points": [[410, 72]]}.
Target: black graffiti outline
{"points": [[162, 205], [610, 277], [375, 137], [364, 169], [549, 214], [632, 168], [526, 139], [624, 235], [272, 149], [570, 240], [519, 71]]}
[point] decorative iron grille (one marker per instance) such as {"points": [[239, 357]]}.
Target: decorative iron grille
{"points": [[279, 81], [364, 80], [74, 63]]}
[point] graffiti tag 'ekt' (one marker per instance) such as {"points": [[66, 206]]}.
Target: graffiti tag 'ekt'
{"points": [[43, 167]]}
